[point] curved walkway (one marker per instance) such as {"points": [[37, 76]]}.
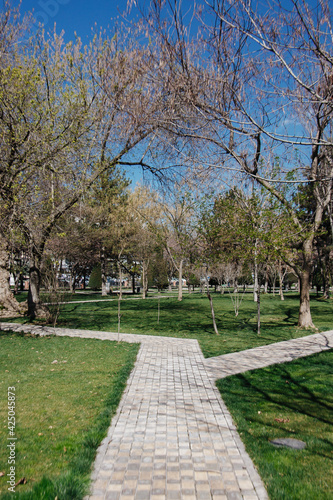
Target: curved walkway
{"points": [[172, 436]]}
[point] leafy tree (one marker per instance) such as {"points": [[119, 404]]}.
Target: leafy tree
{"points": [[68, 114], [158, 271], [107, 200], [95, 281]]}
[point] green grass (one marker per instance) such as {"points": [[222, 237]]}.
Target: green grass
{"points": [[191, 318], [286, 400], [289, 400], [62, 409]]}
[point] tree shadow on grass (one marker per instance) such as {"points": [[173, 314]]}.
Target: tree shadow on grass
{"points": [[287, 389], [295, 396]]}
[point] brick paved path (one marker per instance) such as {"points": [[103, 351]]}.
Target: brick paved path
{"points": [[281, 352], [172, 436]]}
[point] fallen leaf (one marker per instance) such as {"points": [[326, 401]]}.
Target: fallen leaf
{"points": [[40, 434], [21, 481], [282, 420], [2, 474], [54, 362]]}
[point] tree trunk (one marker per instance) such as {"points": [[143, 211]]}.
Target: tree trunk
{"points": [[266, 283], [274, 283], [119, 316], [120, 275], [145, 264], [8, 304], [180, 281], [72, 279], [18, 283], [325, 267], [258, 310], [304, 318], [304, 274], [255, 287], [103, 272], [158, 310], [281, 287], [281, 278], [211, 307], [213, 312], [35, 307]]}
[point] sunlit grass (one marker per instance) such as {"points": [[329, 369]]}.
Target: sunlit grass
{"points": [[289, 400], [67, 389], [191, 318]]}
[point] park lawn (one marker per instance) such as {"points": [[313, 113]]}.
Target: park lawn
{"points": [[63, 408], [298, 394], [191, 318], [288, 400]]}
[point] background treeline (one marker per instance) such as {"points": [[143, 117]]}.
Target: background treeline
{"points": [[228, 107]]}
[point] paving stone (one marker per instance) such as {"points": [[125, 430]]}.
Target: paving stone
{"points": [[113, 487], [173, 495], [234, 495], [142, 495], [110, 495]]}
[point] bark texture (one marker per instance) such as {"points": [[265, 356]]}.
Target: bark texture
{"points": [[35, 307], [103, 272], [8, 304], [180, 281], [304, 318]]}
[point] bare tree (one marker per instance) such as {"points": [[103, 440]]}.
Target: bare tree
{"points": [[179, 230], [250, 86], [146, 213]]}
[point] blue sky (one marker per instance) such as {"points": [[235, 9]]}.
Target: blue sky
{"points": [[81, 16], [75, 15]]}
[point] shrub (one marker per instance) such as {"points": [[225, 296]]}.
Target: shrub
{"points": [[95, 281]]}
